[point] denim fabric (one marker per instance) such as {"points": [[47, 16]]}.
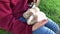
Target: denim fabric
{"points": [[52, 25], [43, 30], [23, 19], [50, 28]]}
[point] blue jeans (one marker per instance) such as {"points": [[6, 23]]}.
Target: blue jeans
{"points": [[50, 28]]}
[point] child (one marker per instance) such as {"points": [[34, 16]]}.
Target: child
{"points": [[10, 14]]}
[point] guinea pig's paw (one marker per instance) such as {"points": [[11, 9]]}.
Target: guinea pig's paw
{"points": [[31, 23], [31, 20]]}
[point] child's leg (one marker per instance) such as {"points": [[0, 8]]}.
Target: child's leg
{"points": [[52, 25], [43, 30]]}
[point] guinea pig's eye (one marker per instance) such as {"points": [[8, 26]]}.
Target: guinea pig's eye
{"points": [[27, 14]]}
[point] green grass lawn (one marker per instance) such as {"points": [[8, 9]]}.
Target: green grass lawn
{"points": [[51, 8]]}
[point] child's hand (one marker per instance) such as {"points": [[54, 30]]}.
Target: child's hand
{"points": [[39, 24]]}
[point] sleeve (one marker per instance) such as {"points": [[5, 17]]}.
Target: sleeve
{"points": [[9, 23]]}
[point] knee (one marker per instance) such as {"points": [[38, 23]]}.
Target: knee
{"points": [[52, 25], [57, 28]]}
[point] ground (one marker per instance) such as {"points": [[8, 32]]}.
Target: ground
{"points": [[51, 9]]}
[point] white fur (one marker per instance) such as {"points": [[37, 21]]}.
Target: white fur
{"points": [[36, 11], [29, 20]]}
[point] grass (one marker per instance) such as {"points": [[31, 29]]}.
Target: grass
{"points": [[51, 8]]}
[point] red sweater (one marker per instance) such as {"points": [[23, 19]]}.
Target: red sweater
{"points": [[10, 11]]}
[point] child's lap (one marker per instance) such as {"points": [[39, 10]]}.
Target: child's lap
{"points": [[50, 28], [52, 25], [43, 30]]}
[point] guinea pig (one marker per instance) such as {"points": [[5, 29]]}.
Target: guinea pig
{"points": [[34, 15]]}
